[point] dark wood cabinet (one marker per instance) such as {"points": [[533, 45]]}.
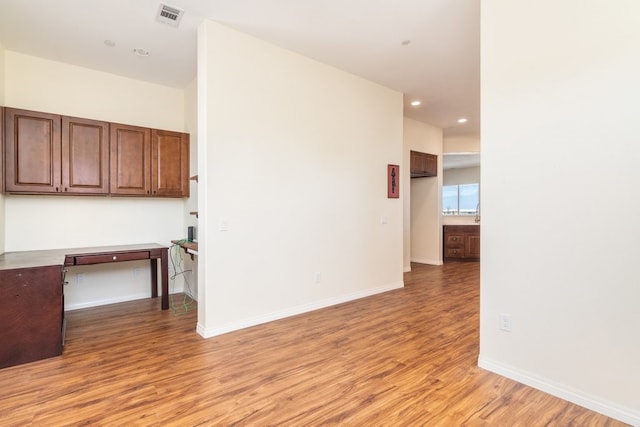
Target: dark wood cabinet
{"points": [[149, 162], [423, 164], [49, 153], [53, 154], [130, 160], [32, 152], [32, 316], [85, 156], [461, 242], [169, 163]]}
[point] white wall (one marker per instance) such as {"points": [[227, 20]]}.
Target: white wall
{"points": [[560, 227], [422, 219], [294, 155], [41, 222]]}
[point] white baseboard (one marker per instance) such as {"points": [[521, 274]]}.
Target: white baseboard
{"points": [[610, 409], [96, 303], [407, 268], [281, 314], [124, 298], [427, 261]]}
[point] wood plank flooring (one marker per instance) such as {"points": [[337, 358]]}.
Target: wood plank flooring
{"points": [[403, 358]]}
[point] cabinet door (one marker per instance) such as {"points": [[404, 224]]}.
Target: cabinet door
{"points": [[130, 160], [472, 246], [430, 165], [169, 164], [423, 164], [31, 315], [85, 156], [32, 151], [418, 163]]}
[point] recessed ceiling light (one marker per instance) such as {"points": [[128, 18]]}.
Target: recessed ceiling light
{"points": [[415, 103], [141, 52], [405, 42], [109, 43], [462, 120]]}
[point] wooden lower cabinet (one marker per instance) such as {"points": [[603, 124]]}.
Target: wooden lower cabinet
{"points": [[461, 242], [32, 316]]}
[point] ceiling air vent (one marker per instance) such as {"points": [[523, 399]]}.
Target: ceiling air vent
{"points": [[169, 15]]}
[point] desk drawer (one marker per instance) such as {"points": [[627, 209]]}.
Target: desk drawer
{"points": [[112, 257]]}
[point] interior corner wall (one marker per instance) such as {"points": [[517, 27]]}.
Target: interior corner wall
{"points": [[559, 198], [297, 214], [44, 222], [191, 204], [2, 204], [423, 207]]}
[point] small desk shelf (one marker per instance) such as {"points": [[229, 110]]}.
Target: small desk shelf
{"points": [[189, 247]]}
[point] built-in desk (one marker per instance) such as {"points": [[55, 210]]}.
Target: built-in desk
{"points": [[31, 290], [189, 247]]}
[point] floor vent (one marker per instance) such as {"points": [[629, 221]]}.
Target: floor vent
{"points": [[169, 15]]}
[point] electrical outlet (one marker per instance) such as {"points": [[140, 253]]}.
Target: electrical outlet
{"points": [[316, 277], [136, 271], [505, 321], [79, 278]]}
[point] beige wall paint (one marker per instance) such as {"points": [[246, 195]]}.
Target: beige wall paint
{"points": [[191, 205], [422, 219], [295, 154], [41, 222], [461, 145], [49, 86], [559, 246]]}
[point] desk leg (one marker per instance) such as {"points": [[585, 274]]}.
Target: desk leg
{"points": [[164, 259], [154, 277]]}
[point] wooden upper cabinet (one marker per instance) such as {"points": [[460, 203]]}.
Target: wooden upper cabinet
{"points": [[32, 152], [130, 160], [85, 156], [169, 164], [53, 154], [423, 164]]}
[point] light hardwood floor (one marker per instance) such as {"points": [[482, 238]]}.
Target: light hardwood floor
{"points": [[403, 358]]}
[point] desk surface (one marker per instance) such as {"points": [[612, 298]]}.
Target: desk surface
{"points": [[47, 257]]}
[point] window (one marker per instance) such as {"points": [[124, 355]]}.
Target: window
{"points": [[463, 199]]}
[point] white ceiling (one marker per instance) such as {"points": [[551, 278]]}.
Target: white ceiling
{"points": [[440, 66]]}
